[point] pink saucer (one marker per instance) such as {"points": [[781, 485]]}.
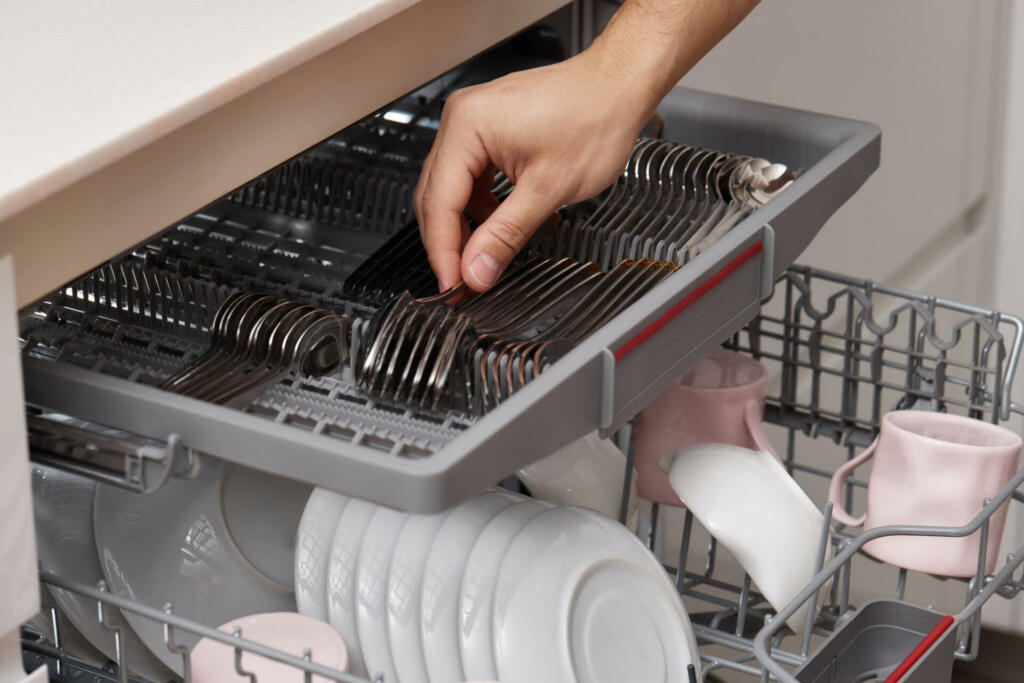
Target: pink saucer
{"points": [[214, 662]]}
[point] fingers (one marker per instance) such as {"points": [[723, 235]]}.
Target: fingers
{"points": [[451, 174], [495, 243], [482, 201], [445, 189]]}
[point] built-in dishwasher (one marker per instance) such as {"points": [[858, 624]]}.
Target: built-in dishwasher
{"points": [[119, 387]]}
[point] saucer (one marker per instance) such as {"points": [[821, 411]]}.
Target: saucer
{"points": [[313, 550], [214, 662], [405, 585], [442, 582], [477, 596], [577, 600]]}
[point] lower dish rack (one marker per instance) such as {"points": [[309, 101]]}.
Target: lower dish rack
{"points": [[842, 352]]}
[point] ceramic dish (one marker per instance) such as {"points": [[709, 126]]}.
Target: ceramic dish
{"points": [[405, 585], [341, 577], [66, 545], [214, 662], [372, 590], [313, 550], [576, 600], [588, 472], [175, 546], [477, 594], [442, 581], [747, 501]]}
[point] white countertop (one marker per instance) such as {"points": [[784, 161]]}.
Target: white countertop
{"points": [[83, 83], [119, 117]]}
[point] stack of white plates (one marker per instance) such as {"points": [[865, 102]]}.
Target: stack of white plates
{"points": [[502, 587]]}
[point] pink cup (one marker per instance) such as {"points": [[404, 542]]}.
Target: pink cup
{"points": [[214, 662], [719, 400], [932, 469]]}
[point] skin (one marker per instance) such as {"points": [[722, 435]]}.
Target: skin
{"points": [[561, 133]]}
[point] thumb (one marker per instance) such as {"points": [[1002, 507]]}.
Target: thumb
{"points": [[494, 244]]}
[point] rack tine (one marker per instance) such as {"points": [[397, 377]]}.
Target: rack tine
{"points": [[812, 605], [101, 614], [239, 669], [174, 647], [307, 675]]}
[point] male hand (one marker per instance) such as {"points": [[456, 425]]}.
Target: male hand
{"points": [[561, 133]]}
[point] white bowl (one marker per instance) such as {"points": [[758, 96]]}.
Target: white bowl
{"points": [[748, 501], [579, 600], [405, 586], [475, 629], [371, 590], [66, 545], [214, 662], [313, 550], [341, 577], [442, 582], [177, 545]]}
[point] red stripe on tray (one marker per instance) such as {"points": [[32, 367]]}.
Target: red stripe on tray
{"points": [[921, 648], [693, 296]]}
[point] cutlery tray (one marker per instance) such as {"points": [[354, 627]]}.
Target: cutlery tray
{"points": [[878, 638], [325, 432]]}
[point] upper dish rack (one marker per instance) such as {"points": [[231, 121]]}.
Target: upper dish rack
{"points": [[324, 430]]}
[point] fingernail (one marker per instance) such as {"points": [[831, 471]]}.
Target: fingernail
{"points": [[485, 269]]}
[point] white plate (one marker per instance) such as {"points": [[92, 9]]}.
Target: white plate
{"points": [[313, 550], [174, 546], [66, 545], [442, 581], [476, 599], [341, 577], [757, 511], [579, 600], [405, 585], [371, 590]]}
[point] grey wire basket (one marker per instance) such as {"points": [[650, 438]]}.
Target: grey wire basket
{"points": [[883, 348]]}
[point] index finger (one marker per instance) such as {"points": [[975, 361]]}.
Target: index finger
{"points": [[446, 192]]}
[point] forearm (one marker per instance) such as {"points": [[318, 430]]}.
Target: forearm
{"points": [[650, 44]]}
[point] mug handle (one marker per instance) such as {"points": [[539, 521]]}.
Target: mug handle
{"points": [[835, 487], [753, 419]]}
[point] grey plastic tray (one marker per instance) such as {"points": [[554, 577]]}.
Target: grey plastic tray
{"points": [[881, 636], [599, 385]]}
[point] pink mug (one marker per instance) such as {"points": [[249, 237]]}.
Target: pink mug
{"points": [[719, 400], [932, 469]]}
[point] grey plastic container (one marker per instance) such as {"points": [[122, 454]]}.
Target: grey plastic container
{"points": [[599, 385], [876, 640]]}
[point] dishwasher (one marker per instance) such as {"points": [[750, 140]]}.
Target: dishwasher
{"points": [[110, 364]]}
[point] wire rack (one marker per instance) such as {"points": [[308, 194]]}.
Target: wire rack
{"points": [[843, 352]]}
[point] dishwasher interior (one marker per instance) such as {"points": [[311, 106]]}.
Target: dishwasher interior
{"points": [[293, 326]]}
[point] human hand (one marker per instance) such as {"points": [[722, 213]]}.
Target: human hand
{"points": [[561, 133]]}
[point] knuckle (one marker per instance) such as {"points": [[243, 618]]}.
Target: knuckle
{"points": [[510, 235]]}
